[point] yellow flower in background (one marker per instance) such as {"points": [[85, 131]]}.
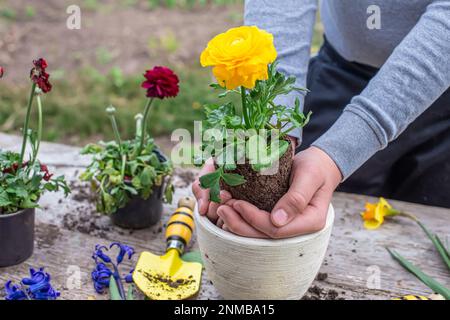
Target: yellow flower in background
{"points": [[240, 56], [375, 212]]}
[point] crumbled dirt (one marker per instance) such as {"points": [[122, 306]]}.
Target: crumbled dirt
{"points": [[317, 293], [322, 276], [46, 235], [164, 282], [263, 191], [84, 218], [182, 178]]}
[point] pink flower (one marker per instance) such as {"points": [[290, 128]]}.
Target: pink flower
{"points": [[2, 71], [161, 83]]}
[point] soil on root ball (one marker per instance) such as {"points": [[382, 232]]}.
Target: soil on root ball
{"points": [[262, 190]]}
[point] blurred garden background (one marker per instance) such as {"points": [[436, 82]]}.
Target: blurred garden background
{"points": [[103, 62]]}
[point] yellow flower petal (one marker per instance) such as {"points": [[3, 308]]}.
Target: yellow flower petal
{"points": [[240, 56], [372, 224]]}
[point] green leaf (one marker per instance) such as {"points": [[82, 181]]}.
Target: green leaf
{"points": [[426, 279], [193, 256], [442, 245], [4, 199], [136, 182], [207, 180], [168, 192], [214, 192], [211, 181], [437, 244], [130, 295], [233, 179], [147, 176], [114, 293]]}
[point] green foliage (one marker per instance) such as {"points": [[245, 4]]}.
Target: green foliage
{"points": [[117, 178], [445, 255], [114, 293], [8, 13], [30, 12], [74, 110], [212, 180], [22, 186], [426, 279], [193, 256], [250, 134]]}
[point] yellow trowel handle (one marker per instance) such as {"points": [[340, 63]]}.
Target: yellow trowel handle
{"points": [[181, 225]]}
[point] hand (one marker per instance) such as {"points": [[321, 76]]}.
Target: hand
{"points": [[303, 209], [206, 207]]}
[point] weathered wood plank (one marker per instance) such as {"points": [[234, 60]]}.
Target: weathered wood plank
{"points": [[68, 229]]}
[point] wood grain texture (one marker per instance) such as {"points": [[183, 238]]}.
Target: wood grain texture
{"points": [[354, 254]]}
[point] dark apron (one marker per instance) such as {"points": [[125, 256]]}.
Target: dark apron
{"points": [[415, 167]]}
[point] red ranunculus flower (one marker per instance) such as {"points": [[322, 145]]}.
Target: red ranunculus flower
{"points": [[14, 167], [47, 174], [1, 71], [161, 83], [39, 76]]}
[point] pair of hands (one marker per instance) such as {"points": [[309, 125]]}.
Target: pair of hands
{"points": [[303, 209]]}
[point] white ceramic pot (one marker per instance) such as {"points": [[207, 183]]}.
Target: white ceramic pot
{"points": [[248, 268]]}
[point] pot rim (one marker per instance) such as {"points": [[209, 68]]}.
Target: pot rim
{"points": [[8, 215], [225, 235]]}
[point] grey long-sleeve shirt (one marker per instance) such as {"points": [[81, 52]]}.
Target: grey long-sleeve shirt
{"points": [[412, 50]]}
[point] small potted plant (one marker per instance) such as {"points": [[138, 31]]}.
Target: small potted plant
{"points": [[253, 156], [23, 181], [132, 177]]}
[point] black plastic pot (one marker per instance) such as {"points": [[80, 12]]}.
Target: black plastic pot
{"points": [[140, 213], [16, 237]]}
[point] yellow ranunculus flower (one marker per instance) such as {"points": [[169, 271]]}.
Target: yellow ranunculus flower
{"points": [[375, 212], [240, 56]]}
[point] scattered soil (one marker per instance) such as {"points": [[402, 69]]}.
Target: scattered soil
{"points": [[182, 178], [46, 235], [317, 293], [166, 283], [84, 217], [322, 276], [263, 191]]}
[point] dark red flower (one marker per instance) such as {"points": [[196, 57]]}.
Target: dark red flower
{"points": [[39, 76], [161, 83], [14, 167], [2, 71], [47, 174]]}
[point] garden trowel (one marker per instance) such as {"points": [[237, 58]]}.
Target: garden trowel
{"points": [[168, 277]]}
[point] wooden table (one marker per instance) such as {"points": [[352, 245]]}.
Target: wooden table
{"points": [[68, 229]]}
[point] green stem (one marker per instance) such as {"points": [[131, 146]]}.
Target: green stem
{"points": [[27, 121], [124, 163], [244, 108], [411, 216], [138, 119], [116, 131], [39, 130], [144, 125]]}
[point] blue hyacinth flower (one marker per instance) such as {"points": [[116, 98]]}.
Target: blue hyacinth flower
{"points": [[101, 276], [124, 250], [105, 267], [14, 292], [36, 287]]}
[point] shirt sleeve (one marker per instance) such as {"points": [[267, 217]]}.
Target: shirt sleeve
{"points": [[292, 25], [415, 75]]}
